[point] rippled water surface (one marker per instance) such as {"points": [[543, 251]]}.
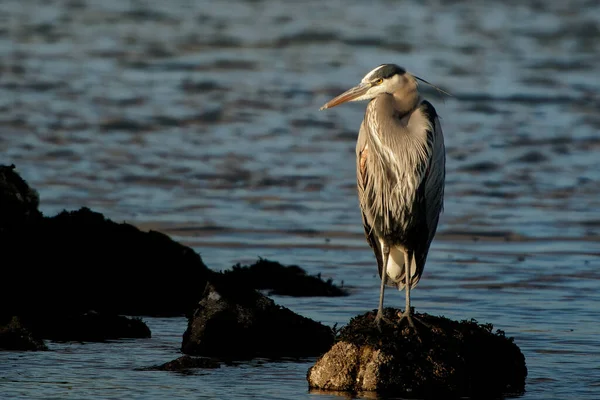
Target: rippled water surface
{"points": [[200, 119]]}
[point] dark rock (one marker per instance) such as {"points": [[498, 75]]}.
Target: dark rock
{"points": [[448, 359], [79, 261], [184, 363], [57, 269], [14, 336], [85, 327], [233, 321], [282, 280], [18, 202]]}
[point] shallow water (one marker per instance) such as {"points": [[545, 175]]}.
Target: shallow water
{"points": [[201, 120]]}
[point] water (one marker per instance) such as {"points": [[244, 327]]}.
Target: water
{"points": [[201, 120]]}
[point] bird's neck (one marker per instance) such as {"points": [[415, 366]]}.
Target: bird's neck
{"points": [[405, 102]]}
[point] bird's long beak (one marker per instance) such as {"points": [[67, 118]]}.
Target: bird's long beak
{"points": [[348, 95]]}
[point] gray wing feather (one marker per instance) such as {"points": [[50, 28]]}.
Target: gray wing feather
{"points": [[361, 178], [435, 176], [431, 189]]}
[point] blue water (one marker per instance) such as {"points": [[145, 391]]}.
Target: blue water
{"points": [[200, 119]]}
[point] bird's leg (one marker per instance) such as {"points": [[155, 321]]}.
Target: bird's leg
{"points": [[407, 311], [385, 249], [407, 314]]}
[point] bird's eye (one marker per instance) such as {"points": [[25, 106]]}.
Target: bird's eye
{"points": [[379, 81]]}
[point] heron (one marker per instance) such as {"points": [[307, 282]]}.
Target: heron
{"points": [[400, 170]]}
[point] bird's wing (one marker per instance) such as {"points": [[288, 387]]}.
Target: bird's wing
{"points": [[362, 177], [432, 184]]}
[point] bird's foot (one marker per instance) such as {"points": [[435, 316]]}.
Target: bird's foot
{"points": [[408, 317], [380, 321]]}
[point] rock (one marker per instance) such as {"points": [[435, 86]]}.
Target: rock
{"points": [[448, 359], [283, 280], [233, 321], [79, 261], [14, 336], [59, 268], [18, 202], [85, 327], [185, 363]]}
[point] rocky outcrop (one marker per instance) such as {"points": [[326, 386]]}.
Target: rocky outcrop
{"points": [[68, 277], [233, 321], [283, 280], [85, 327], [79, 261], [14, 336], [18, 202], [446, 359]]}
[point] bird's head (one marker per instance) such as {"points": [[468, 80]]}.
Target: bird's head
{"points": [[386, 78]]}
